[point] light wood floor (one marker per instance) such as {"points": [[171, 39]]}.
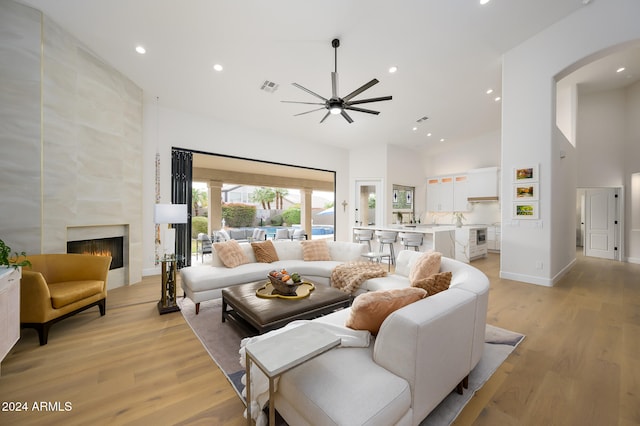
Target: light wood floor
{"points": [[579, 364]]}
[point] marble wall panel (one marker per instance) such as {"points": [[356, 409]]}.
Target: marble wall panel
{"points": [[71, 139], [20, 189]]}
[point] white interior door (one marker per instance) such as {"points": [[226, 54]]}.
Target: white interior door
{"points": [[600, 223]]}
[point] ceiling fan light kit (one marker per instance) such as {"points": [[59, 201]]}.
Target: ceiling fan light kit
{"points": [[337, 105]]}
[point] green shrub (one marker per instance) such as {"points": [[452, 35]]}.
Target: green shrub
{"points": [[292, 215], [199, 225], [276, 220], [238, 215]]}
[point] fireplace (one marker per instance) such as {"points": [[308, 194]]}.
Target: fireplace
{"points": [[112, 239], [112, 246]]}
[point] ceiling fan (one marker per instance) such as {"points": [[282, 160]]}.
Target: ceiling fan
{"points": [[335, 104]]}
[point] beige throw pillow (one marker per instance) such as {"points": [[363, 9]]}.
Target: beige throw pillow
{"points": [[435, 283], [315, 250], [265, 251], [369, 310], [426, 265], [230, 253]]}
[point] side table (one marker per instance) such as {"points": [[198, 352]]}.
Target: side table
{"points": [[378, 256], [167, 302], [280, 353]]}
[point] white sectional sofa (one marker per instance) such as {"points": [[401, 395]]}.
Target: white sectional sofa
{"points": [[205, 282], [422, 352]]}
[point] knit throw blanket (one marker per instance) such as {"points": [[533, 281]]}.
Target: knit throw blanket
{"points": [[348, 276]]}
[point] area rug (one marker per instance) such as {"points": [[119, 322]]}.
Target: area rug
{"points": [[222, 341]]}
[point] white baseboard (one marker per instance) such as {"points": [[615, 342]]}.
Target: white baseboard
{"points": [[527, 279], [151, 271], [633, 260]]}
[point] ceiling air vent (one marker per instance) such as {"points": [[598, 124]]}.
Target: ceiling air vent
{"points": [[269, 86], [420, 120]]}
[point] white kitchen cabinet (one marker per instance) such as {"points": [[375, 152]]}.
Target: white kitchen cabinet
{"points": [[483, 184], [460, 193], [493, 238], [440, 194], [9, 309]]}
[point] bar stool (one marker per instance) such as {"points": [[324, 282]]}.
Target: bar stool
{"points": [[411, 239], [387, 238], [363, 235]]}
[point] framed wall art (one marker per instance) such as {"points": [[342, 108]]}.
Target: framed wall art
{"points": [[525, 191], [526, 210], [525, 174]]}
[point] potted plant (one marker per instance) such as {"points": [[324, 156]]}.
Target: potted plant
{"points": [[6, 261], [459, 217]]}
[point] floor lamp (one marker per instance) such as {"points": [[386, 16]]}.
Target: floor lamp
{"points": [[169, 214]]}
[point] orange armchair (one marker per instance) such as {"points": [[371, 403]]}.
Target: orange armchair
{"points": [[57, 286]]}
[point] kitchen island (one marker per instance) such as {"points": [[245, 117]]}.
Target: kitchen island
{"points": [[438, 238]]}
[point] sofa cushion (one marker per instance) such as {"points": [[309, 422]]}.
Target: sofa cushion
{"points": [[362, 392], [369, 310], [203, 278], [230, 253], [426, 265], [65, 293], [320, 268], [265, 251], [435, 283], [315, 250]]}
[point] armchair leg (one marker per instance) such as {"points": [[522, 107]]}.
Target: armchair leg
{"points": [[197, 308], [43, 333], [102, 305]]}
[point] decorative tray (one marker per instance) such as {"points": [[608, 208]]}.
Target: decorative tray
{"points": [[267, 291]]}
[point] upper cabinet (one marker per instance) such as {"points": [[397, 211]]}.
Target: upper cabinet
{"points": [[447, 193], [483, 184]]}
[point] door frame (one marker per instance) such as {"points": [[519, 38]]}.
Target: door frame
{"points": [[619, 215], [378, 183]]}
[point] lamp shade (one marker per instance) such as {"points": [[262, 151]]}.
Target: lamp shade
{"points": [[170, 213]]}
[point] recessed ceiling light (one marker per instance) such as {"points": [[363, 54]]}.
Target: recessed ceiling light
{"points": [[414, 129], [217, 67], [483, 2], [393, 69], [442, 140], [141, 50], [497, 98], [489, 91], [428, 135], [620, 69]]}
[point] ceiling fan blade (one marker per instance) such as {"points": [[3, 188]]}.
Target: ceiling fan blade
{"points": [[364, 101], [325, 117], [360, 89], [309, 91], [334, 84], [307, 112], [305, 103], [368, 111], [346, 116]]}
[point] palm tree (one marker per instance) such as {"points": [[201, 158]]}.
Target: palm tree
{"points": [[264, 196], [198, 200], [280, 194]]}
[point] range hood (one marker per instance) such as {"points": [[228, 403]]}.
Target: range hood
{"points": [[483, 185], [482, 199]]}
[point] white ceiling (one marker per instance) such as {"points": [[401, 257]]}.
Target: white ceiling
{"points": [[448, 53]]}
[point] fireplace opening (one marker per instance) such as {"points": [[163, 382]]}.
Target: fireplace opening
{"points": [[113, 246]]}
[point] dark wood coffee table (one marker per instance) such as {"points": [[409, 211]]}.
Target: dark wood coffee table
{"points": [[240, 303]]}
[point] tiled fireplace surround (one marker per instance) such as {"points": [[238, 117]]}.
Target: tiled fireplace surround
{"points": [[117, 277], [75, 130]]}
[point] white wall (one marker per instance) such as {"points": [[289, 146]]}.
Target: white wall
{"points": [[631, 166], [405, 168], [165, 128], [601, 138], [529, 135]]}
